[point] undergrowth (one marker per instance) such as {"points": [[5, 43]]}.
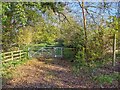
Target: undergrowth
{"points": [[8, 67]]}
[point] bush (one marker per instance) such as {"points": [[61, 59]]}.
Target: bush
{"points": [[80, 58], [9, 66], [68, 53], [104, 79]]}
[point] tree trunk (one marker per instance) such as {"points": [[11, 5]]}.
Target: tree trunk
{"points": [[85, 32]]}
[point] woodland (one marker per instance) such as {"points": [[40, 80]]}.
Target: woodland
{"points": [[60, 44]]}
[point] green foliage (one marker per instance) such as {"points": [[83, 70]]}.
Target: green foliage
{"points": [[58, 51], [25, 36], [103, 79], [9, 66], [59, 42], [69, 53], [71, 32], [44, 33], [118, 54], [28, 23], [107, 79], [80, 57], [99, 43], [21, 14], [0, 8]]}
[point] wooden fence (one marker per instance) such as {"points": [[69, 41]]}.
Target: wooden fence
{"points": [[13, 55]]}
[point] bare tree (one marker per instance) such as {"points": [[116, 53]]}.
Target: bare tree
{"points": [[84, 23]]}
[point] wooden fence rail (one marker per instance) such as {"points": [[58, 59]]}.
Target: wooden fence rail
{"points": [[13, 55]]}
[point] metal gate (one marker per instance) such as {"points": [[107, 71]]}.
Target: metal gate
{"points": [[47, 52]]}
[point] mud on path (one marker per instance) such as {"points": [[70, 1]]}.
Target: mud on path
{"points": [[46, 74]]}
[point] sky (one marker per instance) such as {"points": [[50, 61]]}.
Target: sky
{"points": [[76, 11]]}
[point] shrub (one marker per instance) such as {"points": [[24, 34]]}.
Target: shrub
{"points": [[104, 79], [68, 53]]}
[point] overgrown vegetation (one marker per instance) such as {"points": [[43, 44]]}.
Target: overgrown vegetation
{"points": [[87, 42], [8, 67]]}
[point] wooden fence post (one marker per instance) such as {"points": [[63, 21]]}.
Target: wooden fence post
{"points": [[114, 49], [28, 53], [12, 55], [20, 54]]}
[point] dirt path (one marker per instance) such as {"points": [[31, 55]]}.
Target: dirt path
{"points": [[46, 74]]}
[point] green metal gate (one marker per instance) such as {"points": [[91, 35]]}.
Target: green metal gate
{"points": [[46, 52]]}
